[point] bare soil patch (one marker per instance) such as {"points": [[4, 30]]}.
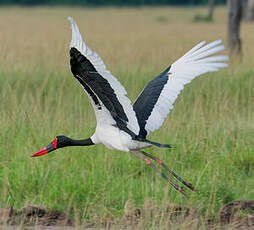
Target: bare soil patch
{"points": [[235, 215], [32, 215]]}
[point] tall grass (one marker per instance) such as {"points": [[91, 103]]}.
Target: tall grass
{"points": [[210, 128]]}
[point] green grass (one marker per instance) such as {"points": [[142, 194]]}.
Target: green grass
{"points": [[210, 130]]}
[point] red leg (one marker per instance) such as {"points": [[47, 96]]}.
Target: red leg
{"points": [[149, 162], [189, 185]]}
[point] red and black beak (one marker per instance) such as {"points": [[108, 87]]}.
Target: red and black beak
{"points": [[49, 148]]}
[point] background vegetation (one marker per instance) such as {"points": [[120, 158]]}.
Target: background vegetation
{"points": [[210, 128], [108, 2]]}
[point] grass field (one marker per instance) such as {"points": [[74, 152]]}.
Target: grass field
{"points": [[210, 129]]}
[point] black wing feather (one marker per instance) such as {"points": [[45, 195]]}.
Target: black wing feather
{"points": [[97, 86], [146, 101]]}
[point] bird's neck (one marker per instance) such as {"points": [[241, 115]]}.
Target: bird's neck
{"points": [[83, 142]]}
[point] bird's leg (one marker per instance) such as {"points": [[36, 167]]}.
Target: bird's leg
{"points": [[189, 185], [176, 186]]}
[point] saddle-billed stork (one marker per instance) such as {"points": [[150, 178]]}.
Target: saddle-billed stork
{"points": [[121, 125]]}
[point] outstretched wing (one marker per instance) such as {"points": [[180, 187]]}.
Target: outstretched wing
{"points": [[108, 96], [157, 99]]}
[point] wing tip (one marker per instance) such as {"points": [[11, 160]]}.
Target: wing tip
{"points": [[70, 19], [222, 46], [73, 24], [203, 42], [226, 57], [218, 41], [77, 40]]}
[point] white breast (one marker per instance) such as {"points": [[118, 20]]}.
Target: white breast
{"points": [[114, 138]]}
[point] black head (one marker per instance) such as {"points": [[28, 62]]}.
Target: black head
{"points": [[58, 142], [62, 141]]}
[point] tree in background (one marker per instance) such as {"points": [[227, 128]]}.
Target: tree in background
{"points": [[235, 8], [209, 16], [210, 9], [106, 2], [250, 10]]}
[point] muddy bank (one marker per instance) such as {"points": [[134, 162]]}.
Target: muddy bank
{"points": [[235, 215], [31, 215]]}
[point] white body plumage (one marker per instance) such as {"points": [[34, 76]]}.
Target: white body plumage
{"points": [[114, 138]]}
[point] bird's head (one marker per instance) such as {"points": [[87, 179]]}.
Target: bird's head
{"points": [[58, 142]]}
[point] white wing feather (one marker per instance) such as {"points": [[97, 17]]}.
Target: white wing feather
{"points": [[99, 65], [194, 63]]}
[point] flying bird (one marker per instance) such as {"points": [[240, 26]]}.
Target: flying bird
{"points": [[121, 125]]}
